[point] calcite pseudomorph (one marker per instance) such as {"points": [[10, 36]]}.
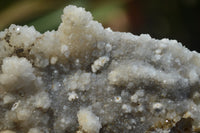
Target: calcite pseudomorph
{"points": [[84, 78]]}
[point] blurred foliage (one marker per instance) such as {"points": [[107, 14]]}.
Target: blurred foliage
{"points": [[174, 19]]}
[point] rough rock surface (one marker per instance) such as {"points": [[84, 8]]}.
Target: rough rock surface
{"points": [[84, 78]]}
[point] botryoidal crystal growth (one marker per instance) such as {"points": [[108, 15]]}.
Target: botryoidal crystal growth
{"points": [[86, 79]]}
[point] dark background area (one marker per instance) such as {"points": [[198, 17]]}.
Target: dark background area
{"points": [[173, 19]]}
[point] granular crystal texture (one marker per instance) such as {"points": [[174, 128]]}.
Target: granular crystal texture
{"points": [[86, 79]]}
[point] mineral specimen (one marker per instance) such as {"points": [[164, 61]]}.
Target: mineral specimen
{"points": [[84, 78]]}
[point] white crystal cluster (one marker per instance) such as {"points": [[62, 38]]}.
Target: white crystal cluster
{"points": [[86, 79]]}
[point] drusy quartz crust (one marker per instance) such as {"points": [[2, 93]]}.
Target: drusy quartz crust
{"points": [[86, 79]]}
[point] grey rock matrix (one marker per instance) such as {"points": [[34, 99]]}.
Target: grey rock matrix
{"points": [[86, 79]]}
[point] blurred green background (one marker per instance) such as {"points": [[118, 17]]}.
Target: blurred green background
{"points": [[174, 19]]}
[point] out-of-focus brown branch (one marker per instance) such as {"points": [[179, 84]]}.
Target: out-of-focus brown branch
{"points": [[25, 10]]}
